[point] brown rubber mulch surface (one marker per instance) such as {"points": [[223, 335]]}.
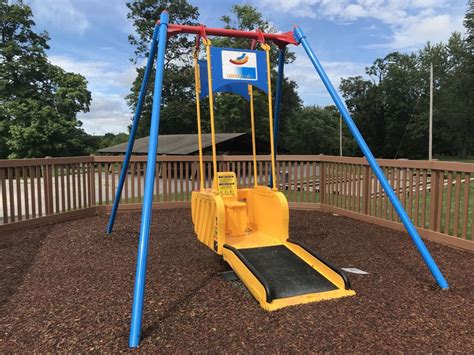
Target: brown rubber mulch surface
{"points": [[68, 287]]}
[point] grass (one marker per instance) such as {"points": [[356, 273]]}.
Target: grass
{"points": [[457, 159], [390, 214], [382, 207]]}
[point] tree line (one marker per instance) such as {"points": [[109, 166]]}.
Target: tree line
{"points": [[391, 106], [39, 102]]}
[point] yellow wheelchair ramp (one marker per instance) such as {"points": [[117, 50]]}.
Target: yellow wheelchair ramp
{"points": [[286, 274]]}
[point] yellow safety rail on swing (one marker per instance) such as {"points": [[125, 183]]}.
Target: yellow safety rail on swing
{"points": [[197, 81], [249, 226]]}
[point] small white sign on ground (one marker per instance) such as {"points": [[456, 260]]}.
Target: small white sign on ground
{"points": [[354, 270]]}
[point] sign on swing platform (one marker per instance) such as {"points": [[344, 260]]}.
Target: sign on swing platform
{"points": [[239, 65]]}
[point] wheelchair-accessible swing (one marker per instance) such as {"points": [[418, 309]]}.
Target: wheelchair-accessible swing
{"points": [[247, 226]]}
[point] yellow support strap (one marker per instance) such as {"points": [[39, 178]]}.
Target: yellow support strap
{"points": [[254, 146], [207, 43], [266, 47], [197, 80]]}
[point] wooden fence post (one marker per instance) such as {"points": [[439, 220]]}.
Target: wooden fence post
{"points": [[366, 190], [91, 182], [3, 186], [48, 187], [434, 199], [322, 182]]}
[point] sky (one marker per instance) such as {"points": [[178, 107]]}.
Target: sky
{"points": [[90, 37]]}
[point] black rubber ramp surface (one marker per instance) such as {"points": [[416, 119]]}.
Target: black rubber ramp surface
{"points": [[285, 273]]}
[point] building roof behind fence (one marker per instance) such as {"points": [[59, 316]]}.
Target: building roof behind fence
{"points": [[172, 144]]}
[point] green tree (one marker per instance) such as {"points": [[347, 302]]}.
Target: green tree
{"points": [[391, 107], [94, 142], [110, 139], [314, 130], [384, 105], [468, 77], [458, 91], [365, 103], [38, 101], [178, 105]]}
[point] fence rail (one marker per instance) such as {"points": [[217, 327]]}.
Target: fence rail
{"points": [[438, 196]]}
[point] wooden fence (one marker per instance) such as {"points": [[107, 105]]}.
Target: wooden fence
{"points": [[438, 196]]}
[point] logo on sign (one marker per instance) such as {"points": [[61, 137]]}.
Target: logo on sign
{"points": [[240, 60], [242, 67]]}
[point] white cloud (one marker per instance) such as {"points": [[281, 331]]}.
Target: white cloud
{"points": [[79, 16], [310, 86], [101, 75], [354, 11], [298, 8], [109, 113], [412, 22], [427, 3], [389, 11], [418, 31], [109, 83], [61, 13]]}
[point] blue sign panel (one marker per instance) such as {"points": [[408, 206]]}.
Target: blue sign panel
{"points": [[233, 70], [238, 89], [232, 66]]}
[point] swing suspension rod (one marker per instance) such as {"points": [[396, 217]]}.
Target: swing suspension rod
{"points": [[254, 146], [197, 80], [266, 48], [207, 43]]}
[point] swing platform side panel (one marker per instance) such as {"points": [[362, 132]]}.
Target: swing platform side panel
{"points": [[254, 217], [208, 216]]}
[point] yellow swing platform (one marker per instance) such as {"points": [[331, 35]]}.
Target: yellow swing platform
{"points": [[249, 226]]}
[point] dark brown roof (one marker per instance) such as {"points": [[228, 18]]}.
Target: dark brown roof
{"points": [[172, 144]]}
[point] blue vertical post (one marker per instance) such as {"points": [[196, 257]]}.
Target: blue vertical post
{"points": [[301, 38], [277, 106], [133, 131], [140, 275]]}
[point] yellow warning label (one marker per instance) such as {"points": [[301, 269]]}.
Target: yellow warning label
{"points": [[227, 184]]}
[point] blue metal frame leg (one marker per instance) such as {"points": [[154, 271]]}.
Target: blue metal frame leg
{"points": [[277, 106], [133, 131], [301, 38], [140, 276]]}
